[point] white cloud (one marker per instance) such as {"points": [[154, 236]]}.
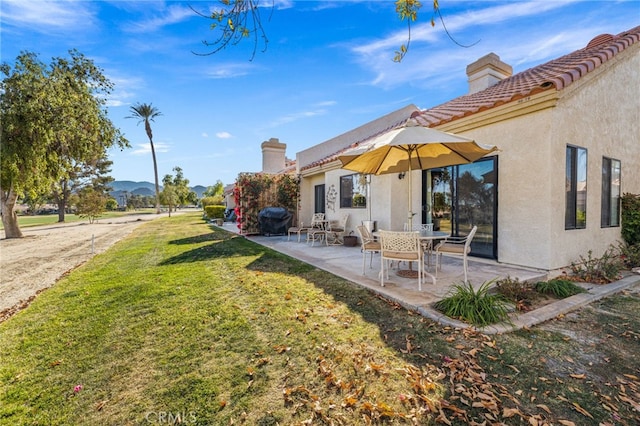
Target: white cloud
{"points": [[290, 118], [432, 55], [145, 148], [44, 16], [326, 103], [205, 135], [230, 70], [173, 14], [224, 135]]}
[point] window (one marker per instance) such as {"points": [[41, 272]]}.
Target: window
{"points": [[576, 188], [610, 202], [318, 199], [353, 190]]}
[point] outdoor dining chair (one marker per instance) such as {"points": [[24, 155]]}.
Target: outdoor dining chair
{"points": [[368, 244], [427, 245], [316, 222], [318, 230], [457, 246], [336, 230], [401, 247]]}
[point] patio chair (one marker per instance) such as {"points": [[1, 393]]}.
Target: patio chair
{"points": [[336, 230], [460, 246], [402, 247], [318, 229], [427, 245], [368, 245], [300, 229]]}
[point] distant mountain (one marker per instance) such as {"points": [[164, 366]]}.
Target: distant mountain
{"points": [[199, 189], [143, 188], [130, 186]]}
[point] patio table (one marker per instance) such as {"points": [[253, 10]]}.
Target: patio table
{"points": [[424, 235]]}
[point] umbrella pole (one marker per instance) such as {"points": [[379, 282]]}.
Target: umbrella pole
{"points": [[369, 195], [410, 212]]}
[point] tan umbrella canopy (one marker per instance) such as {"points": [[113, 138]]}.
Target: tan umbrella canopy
{"points": [[412, 147]]}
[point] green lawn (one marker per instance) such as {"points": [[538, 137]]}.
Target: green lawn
{"points": [[183, 321]]}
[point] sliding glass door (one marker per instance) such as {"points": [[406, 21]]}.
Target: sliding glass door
{"points": [[458, 197]]}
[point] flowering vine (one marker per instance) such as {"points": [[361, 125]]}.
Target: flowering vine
{"points": [[255, 191]]}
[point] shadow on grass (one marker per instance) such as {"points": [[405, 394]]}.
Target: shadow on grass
{"points": [[398, 327], [414, 338], [222, 244]]}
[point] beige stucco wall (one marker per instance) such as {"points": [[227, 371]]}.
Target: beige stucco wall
{"points": [[600, 112], [388, 199]]}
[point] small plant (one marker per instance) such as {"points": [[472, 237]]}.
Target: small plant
{"points": [[478, 307], [522, 294], [598, 270], [559, 287], [629, 255]]}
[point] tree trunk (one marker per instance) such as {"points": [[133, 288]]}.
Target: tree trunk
{"points": [[62, 200], [155, 172], [9, 216], [61, 206], [147, 127]]}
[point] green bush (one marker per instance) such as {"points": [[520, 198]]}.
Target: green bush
{"points": [[478, 307], [215, 200], [559, 287], [600, 270], [519, 292], [214, 212], [629, 255], [631, 219]]}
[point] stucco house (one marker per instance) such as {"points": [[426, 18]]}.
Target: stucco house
{"points": [[569, 137]]}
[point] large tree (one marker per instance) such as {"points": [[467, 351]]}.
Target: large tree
{"points": [[52, 117], [145, 113], [176, 192], [78, 176]]}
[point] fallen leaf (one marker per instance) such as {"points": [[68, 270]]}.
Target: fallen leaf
{"points": [[544, 407], [578, 376], [581, 410], [566, 423], [510, 412]]}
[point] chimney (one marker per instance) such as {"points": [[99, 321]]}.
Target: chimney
{"points": [[273, 155], [487, 71]]}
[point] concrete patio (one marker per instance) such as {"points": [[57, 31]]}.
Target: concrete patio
{"points": [[346, 262]]}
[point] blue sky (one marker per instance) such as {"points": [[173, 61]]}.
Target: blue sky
{"points": [[327, 69]]}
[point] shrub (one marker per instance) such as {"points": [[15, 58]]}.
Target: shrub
{"points": [[216, 200], [519, 292], [478, 307], [214, 212], [629, 255], [630, 216], [598, 270], [559, 287]]}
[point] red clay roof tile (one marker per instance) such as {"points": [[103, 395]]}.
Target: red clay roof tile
{"points": [[555, 74]]}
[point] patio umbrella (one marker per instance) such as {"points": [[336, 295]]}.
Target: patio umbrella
{"points": [[412, 147]]}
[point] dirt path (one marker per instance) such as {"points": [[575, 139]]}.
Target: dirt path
{"points": [[31, 264]]}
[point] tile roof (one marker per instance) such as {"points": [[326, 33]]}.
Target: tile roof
{"points": [[555, 74]]}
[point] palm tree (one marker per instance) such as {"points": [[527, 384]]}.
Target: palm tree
{"points": [[147, 113]]}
